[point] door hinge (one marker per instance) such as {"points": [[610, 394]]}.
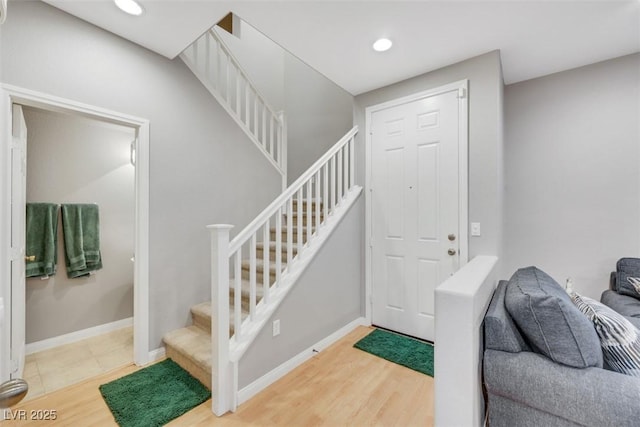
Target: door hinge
{"points": [[462, 93]]}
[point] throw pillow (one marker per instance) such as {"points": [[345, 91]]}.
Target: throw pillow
{"points": [[547, 318], [627, 268], [620, 340], [635, 282]]}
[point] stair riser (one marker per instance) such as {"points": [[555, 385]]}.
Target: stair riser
{"points": [[244, 302], [305, 220], [294, 236], [203, 322], [259, 276], [187, 364], [304, 205], [272, 253]]}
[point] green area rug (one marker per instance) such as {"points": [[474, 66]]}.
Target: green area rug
{"points": [[405, 351], [153, 396]]}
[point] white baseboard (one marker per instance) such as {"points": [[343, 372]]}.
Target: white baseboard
{"points": [[72, 337], [274, 375], [157, 354]]}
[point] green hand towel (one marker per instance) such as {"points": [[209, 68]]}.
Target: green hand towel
{"points": [[81, 227], [41, 239]]}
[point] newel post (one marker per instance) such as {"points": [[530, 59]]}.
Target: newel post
{"points": [[221, 369]]}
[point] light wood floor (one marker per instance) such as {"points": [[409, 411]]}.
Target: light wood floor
{"points": [[339, 386]]}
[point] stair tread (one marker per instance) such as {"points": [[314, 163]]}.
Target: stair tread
{"points": [[245, 288], [204, 309], [294, 230], [192, 342], [272, 245], [246, 264]]}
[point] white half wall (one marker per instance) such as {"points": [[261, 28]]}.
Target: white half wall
{"points": [[461, 303], [573, 172]]}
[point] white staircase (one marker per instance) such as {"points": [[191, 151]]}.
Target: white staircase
{"points": [[252, 274], [218, 70]]}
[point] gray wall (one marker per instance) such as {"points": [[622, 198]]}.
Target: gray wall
{"points": [[326, 298], [573, 196], [72, 159], [318, 111], [203, 168], [485, 138]]}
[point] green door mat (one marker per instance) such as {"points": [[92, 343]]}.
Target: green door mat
{"points": [[153, 396], [405, 351]]}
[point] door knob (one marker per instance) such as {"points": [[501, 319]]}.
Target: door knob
{"points": [[452, 237], [30, 258], [451, 251]]}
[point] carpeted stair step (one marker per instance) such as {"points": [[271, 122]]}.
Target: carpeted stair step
{"points": [[272, 251], [245, 293], [246, 267], [201, 316], [305, 218], [305, 203], [190, 348], [201, 313], [294, 234]]}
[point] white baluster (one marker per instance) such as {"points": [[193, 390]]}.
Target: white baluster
{"points": [[333, 182], [317, 200], [207, 55], [266, 261], [299, 221], [289, 231], [278, 239], [238, 94], [309, 220], [252, 277], [352, 163], [325, 190], [247, 102], [345, 170], [264, 127], [271, 134], [237, 294], [340, 173]]}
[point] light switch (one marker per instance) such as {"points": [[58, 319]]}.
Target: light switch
{"points": [[475, 228]]}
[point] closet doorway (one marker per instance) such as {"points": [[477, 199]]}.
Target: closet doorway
{"points": [[77, 153]]}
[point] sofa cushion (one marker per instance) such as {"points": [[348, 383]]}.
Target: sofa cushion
{"points": [[550, 322], [620, 340], [500, 333], [627, 269], [629, 307]]}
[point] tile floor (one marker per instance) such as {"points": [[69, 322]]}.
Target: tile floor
{"points": [[68, 364]]}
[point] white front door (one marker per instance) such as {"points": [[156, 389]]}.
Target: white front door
{"points": [[415, 204], [18, 229]]}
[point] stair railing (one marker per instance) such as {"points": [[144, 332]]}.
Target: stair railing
{"points": [[309, 202], [220, 72]]}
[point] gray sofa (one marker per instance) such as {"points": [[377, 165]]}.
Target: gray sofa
{"points": [[525, 388]]}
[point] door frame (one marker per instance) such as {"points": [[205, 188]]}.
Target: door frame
{"points": [[461, 87], [12, 94]]}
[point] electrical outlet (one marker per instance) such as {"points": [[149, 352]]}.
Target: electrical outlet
{"points": [[276, 328], [475, 229]]}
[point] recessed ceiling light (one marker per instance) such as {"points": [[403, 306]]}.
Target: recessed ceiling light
{"points": [[131, 7], [382, 44]]}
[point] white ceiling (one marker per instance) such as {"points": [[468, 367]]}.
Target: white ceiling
{"points": [[334, 37]]}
